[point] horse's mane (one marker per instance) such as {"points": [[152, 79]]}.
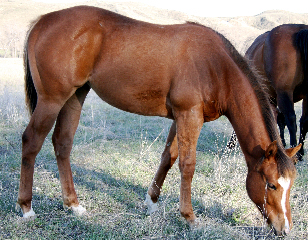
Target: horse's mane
{"points": [[285, 166]]}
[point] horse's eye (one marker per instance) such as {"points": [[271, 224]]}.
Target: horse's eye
{"points": [[271, 186]]}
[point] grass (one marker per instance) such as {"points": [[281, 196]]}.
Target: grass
{"points": [[114, 158]]}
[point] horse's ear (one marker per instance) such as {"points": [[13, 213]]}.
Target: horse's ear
{"points": [[271, 149], [292, 151], [269, 152]]}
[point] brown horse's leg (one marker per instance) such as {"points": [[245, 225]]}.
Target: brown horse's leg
{"points": [[303, 128], [189, 124], [67, 123], [281, 124], [286, 106], [168, 158], [33, 137]]}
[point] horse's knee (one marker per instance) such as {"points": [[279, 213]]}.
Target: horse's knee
{"points": [[187, 169]]}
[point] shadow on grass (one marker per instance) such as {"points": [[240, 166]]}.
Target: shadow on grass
{"points": [[52, 222], [216, 212], [121, 190], [129, 221]]}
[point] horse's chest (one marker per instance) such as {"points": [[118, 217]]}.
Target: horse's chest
{"points": [[211, 111]]}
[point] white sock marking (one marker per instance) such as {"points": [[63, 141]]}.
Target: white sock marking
{"points": [[80, 210], [29, 214], [285, 184], [152, 207]]}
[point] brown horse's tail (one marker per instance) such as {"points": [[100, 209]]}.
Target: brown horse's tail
{"points": [[30, 92], [301, 42]]}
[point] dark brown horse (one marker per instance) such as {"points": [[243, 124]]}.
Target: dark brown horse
{"points": [[187, 72], [281, 56]]}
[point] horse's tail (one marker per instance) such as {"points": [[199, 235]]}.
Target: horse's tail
{"points": [[301, 42], [30, 92]]}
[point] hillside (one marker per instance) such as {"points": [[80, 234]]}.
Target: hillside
{"points": [[241, 31]]}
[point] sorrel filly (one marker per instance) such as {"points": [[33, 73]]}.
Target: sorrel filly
{"points": [[281, 56], [185, 72]]}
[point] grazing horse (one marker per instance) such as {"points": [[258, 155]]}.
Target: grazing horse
{"points": [[186, 72], [281, 55]]}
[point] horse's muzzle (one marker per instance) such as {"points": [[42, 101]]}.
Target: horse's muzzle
{"points": [[285, 231]]}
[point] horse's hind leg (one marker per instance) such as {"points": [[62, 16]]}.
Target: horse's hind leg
{"points": [[303, 128], [168, 158], [67, 123], [33, 137]]}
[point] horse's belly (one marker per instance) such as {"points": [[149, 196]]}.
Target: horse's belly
{"points": [[144, 102]]}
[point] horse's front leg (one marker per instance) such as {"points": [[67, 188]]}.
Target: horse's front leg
{"points": [[189, 124], [286, 105], [281, 124], [168, 158]]}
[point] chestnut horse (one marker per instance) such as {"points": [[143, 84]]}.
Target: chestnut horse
{"points": [[186, 72], [281, 56]]}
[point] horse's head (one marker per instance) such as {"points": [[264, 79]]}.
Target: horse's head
{"points": [[269, 183]]}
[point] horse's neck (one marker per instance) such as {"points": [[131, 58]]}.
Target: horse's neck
{"points": [[248, 122]]}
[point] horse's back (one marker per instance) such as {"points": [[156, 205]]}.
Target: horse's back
{"points": [[133, 65]]}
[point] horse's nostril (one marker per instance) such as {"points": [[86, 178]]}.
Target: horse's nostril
{"points": [[286, 231]]}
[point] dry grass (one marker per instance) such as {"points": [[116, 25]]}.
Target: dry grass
{"points": [[114, 158], [116, 154]]}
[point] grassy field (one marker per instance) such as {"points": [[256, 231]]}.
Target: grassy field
{"points": [[114, 159]]}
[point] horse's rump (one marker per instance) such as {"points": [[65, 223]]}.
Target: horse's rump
{"points": [[301, 43]]}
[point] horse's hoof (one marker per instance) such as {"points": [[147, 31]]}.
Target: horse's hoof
{"points": [[152, 207], [30, 214], [25, 215], [79, 211], [195, 224]]}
